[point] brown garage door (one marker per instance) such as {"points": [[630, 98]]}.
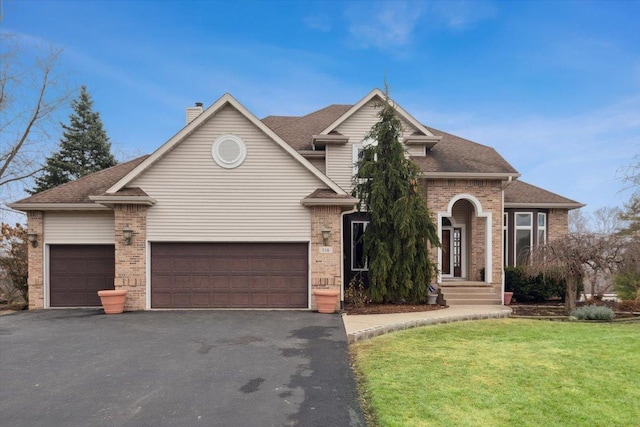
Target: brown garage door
{"points": [[229, 275], [78, 272]]}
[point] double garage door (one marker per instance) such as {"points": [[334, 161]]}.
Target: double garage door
{"points": [[229, 275], [189, 275]]}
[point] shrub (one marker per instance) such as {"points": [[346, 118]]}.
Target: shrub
{"points": [[593, 312], [527, 288], [355, 294], [629, 305], [627, 285]]}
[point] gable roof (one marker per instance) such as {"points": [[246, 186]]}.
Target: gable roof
{"points": [[223, 101], [376, 93], [76, 194], [521, 194]]}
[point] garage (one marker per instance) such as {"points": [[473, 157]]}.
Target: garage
{"points": [[229, 275], [78, 272]]}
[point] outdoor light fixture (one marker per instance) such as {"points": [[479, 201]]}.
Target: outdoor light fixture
{"points": [[33, 238], [325, 236], [128, 234]]}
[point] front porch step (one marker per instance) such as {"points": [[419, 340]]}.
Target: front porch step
{"points": [[471, 295]]}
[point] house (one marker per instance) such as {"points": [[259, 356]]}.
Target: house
{"points": [[234, 211]]}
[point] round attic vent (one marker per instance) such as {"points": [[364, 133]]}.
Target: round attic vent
{"points": [[229, 151]]}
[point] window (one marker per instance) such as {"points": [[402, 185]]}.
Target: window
{"points": [[542, 228], [523, 237], [358, 152], [358, 263]]}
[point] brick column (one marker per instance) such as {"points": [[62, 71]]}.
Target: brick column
{"points": [[326, 267], [35, 280], [131, 260]]}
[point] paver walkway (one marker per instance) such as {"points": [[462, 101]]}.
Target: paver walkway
{"points": [[365, 326]]}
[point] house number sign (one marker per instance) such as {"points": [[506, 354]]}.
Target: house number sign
{"points": [[326, 249]]}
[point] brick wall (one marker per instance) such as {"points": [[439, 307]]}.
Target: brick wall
{"points": [[325, 267], [439, 193], [131, 260], [35, 280], [558, 223]]}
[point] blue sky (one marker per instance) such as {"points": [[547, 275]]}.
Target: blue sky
{"points": [[553, 86]]}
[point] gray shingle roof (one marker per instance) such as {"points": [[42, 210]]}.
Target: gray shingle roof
{"points": [[298, 131], [78, 191], [521, 193], [458, 155], [452, 154]]}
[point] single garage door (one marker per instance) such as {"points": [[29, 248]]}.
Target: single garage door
{"points": [[78, 272], [229, 275]]}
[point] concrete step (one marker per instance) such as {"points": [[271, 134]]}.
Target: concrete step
{"points": [[460, 290], [475, 301], [471, 295]]}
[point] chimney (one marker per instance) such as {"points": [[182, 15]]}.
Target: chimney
{"points": [[193, 112]]}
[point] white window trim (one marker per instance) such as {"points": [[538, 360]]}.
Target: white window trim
{"points": [[542, 228], [356, 149], [366, 264], [517, 227]]}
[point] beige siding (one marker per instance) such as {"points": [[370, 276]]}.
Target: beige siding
{"points": [[197, 200], [319, 163], [340, 157], [79, 227]]}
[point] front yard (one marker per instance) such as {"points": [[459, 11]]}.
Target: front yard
{"points": [[503, 373]]}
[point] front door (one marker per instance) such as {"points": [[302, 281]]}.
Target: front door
{"points": [[452, 252]]}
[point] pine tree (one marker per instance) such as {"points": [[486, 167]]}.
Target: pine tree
{"points": [[84, 147], [400, 229]]}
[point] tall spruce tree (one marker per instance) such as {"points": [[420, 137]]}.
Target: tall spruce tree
{"points": [[400, 229], [84, 147]]}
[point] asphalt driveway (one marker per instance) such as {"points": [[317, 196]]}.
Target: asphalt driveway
{"points": [[175, 368]]}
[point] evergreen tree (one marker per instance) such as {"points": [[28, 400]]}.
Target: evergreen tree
{"points": [[84, 147], [397, 238]]}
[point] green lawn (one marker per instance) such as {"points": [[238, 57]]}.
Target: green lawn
{"points": [[503, 373]]}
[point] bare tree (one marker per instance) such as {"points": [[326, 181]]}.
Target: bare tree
{"points": [[30, 95], [578, 221], [631, 176], [577, 254], [607, 220]]}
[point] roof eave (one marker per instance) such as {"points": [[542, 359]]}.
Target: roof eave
{"points": [[312, 154], [342, 202], [505, 176], [568, 205], [109, 201], [57, 207]]}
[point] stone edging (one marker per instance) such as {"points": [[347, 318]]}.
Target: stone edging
{"points": [[385, 329]]}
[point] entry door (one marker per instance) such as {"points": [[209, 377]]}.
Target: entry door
{"points": [[452, 252]]}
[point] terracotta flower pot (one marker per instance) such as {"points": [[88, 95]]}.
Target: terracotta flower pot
{"points": [[507, 298], [326, 300], [113, 300]]}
